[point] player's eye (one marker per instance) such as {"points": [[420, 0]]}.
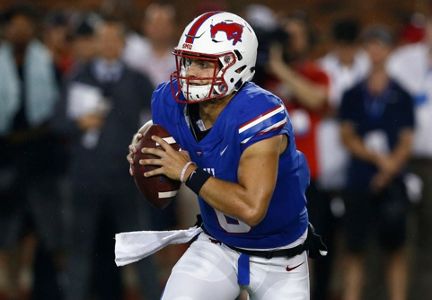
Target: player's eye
{"points": [[187, 62], [204, 64]]}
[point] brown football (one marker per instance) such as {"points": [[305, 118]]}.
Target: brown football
{"points": [[158, 190]]}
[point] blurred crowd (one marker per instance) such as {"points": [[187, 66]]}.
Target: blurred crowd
{"points": [[75, 86]]}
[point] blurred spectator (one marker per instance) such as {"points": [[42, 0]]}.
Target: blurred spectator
{"points": [[55, 38], [303, 86], [31, 155], [151, 54], [346, 64], [377, 121], [412, 66], [82, 40], [101, 112]]}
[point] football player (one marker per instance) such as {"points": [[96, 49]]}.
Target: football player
{"points": [[240, 159]]}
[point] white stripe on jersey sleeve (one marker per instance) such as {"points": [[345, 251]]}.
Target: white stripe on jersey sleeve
{"points": [[262, 118], [276, 125]]}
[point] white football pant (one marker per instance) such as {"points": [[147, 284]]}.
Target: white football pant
{"points": [[208, 271]]}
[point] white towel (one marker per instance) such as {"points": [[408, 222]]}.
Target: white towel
{"points": [[40, 85], [134, 246], [84, 99]]}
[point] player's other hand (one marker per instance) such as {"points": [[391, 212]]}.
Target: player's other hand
{"points": [[132, 147], [132, 150]]}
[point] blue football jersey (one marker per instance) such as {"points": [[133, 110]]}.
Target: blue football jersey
{"points": [[252, 115]]}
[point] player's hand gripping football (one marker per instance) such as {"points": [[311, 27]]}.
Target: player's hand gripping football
{"points": [[133, 145], [133, 150], [171, 161]]}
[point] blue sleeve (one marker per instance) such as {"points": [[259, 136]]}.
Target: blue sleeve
{"points": [[263, 118]]}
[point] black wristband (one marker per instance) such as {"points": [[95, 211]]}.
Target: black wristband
{"points": [[197, 179]]}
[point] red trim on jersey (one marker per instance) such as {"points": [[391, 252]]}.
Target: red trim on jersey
{"points": [[194, 28], [262, 132]]}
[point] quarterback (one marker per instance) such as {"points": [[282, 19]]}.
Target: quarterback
{"points": [[239, 157]]}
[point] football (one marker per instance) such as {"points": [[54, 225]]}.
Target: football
{"points": [[158, 190]]}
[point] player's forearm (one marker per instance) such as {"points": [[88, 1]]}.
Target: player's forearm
{"points": [[235, 200], [249, 197]]}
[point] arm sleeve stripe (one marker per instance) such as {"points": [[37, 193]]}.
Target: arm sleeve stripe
{"points": [[263, 123], [261, 118], [274, 126], [266, 130]]}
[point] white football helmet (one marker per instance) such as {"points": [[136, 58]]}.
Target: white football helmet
{"points": [[224, 39]]}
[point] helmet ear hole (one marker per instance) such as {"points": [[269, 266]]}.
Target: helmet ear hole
{"points": [[239, 70]]}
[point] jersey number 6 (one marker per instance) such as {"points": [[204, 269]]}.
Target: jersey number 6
{"points": [[234, 226]]}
